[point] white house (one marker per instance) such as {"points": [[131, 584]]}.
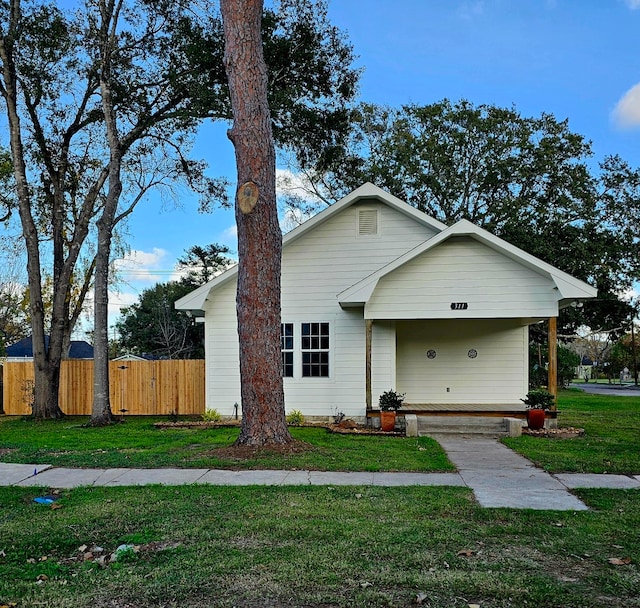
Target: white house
{"points": [[377, 295]]}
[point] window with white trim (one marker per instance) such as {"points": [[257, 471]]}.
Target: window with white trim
{"points": [[315, 350], [286, 345]]}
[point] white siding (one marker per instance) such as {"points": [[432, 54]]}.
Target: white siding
{"points": [[383, 359], [466, 271], [221, 350], [315, 268], [318, 266], [498, 375]]}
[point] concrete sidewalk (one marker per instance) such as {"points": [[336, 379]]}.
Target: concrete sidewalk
{"points": [[25, 475], [498, 477]]}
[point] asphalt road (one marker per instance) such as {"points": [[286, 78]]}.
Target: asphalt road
{"points": [[615, 390]]}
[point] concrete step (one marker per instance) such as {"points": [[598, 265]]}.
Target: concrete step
{"points": [[475, 425]]}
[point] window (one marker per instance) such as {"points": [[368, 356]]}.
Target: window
{"points": [[315, 350], [286, 345], [312, 345]]}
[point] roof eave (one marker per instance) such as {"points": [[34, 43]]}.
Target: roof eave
{"points": [[194, 302]]}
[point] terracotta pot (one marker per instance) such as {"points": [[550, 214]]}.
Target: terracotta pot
{"points": [[535, 419], [387, 420]]}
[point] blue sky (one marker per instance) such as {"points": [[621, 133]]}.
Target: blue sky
{"points": [[575, 59]]}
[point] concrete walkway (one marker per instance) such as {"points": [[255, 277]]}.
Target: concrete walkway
{"points": [[501, 478], [497, 475]]}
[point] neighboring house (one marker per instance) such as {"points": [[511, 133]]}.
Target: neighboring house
{"points": [[132, 357], [376, 295], [23, 350], [585, 369]]}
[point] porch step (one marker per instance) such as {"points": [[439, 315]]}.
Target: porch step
{"points": [[475, 425]]}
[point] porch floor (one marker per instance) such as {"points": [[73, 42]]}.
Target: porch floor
{"points": [[499, 410]]}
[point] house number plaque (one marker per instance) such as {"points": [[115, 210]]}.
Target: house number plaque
{"points": [[459, 305]]}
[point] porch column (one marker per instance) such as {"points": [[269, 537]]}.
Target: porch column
{"points": [[367, 363], [552, 378]]}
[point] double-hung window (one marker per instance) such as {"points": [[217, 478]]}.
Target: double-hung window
{"points": [[315, 350], [305, 354], [286, 345]]}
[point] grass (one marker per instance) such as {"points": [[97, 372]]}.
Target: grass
{"points": [[331, 547], [137, 443], [610, 443], [315, 546]]}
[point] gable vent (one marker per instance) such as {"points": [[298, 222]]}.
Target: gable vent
{"points": [[367, 222]]}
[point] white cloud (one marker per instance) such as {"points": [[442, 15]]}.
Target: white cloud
{"points": [[120, 299], [632, 294], [626, 114], [135, 272], [143, 266], [633, 4], [231, 233], [296, 185]]}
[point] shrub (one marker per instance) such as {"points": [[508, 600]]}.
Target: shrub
{"points": [[538, 399], [212, 415], [390, 401], [568, 360], [295, 418]]}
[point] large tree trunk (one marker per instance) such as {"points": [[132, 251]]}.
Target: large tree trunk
{"points": [[259, 235], [101, 411], [46, 360]]}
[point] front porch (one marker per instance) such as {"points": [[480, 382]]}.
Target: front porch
{"points": [[458, 359], [471, 418]]}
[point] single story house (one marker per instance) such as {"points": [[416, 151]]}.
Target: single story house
{"points": [[23, 350], [377, 295]]}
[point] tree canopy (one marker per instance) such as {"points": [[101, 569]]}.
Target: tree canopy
{"points": [[101, 101], [152, 326], [531, 181], [201, 264]]}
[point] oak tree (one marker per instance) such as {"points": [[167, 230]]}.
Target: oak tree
{"points": [[530, 180], [152, 326], [100, 104]]}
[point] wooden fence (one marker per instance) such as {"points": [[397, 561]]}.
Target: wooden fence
{"points": [[142, 388]]}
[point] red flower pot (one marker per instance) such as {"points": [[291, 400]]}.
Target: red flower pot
{"points": [[535, 419], [387, 420]]}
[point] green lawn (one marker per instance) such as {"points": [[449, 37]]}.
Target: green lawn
{"points": [[137, 443], [611, 443], [284, 547], [315, 546]]}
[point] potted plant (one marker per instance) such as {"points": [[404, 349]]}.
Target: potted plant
{"points": [[538, 401], [390, 402]]}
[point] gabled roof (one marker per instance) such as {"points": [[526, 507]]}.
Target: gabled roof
{"points": [[367, 191], [78, 349], [132, 357], [569, 288], [195, 300]]}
